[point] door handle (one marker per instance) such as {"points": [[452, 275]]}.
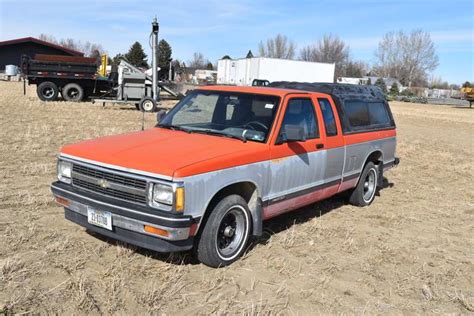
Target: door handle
{"points": [[319, 146]]}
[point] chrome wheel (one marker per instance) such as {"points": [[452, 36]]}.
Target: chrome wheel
{"points": [[48, 92], [73, 93], [232, 232], [370, 185]]}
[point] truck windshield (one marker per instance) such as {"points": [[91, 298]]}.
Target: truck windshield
{"points": [[220, 113]]}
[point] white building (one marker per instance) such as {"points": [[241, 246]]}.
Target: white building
{"points": [[242, 72]]}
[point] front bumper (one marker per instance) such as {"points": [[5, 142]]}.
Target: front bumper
{"points": [[128, 220]]}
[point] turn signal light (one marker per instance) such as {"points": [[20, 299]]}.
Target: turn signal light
{"points": [[62, 201], [179, 205], [156, 231]]}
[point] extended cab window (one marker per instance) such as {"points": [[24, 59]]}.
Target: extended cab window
{"points": [[301, 112], [221, 113], [366, 115], [328, 116]]}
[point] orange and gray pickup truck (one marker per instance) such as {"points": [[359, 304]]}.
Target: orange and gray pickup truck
{"points": [[225, 159]]}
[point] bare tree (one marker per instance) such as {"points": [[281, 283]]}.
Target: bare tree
{"points": [[355, 69], [278, 47], [330, 49], [198, 61], [407, 57], [48, 38], [89, 49]]}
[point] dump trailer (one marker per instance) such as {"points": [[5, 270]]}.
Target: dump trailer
{"points": [[75, 78]]}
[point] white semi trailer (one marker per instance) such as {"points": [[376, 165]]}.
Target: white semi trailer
{"points": [[242, 72]]}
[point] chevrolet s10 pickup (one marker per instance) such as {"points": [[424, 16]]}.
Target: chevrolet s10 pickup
{"points": [[225, 159]]}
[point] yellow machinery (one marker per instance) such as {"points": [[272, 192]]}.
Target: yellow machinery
{"points": [[103, 66], [468, 94]]}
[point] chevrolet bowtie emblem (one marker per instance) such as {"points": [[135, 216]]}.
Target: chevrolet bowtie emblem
{"points": [[103, 183]]}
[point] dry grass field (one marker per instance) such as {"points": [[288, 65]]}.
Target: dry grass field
{"points": [[410, 252]]}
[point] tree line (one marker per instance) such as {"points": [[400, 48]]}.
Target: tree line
{"points": [[408, 57]]}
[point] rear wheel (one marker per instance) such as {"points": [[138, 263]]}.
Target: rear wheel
{"points": [[47, 91], [73, 92], [225, 233], [364, 193]]}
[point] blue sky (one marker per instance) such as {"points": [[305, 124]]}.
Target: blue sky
{"points": [[216, 28]]}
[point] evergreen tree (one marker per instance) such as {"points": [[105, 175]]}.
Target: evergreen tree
{"points": [[394, 89], [249, 54], [369, 82], [136, 56], [164, 59], [466, 84], [381, 84], [210, 66]]}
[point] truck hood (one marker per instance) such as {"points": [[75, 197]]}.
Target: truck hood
{"points": [[166, 152]]}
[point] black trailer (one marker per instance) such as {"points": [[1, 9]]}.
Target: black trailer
{"points": [[76, 78]]}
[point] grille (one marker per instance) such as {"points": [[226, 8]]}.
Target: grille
{"points": [[99, 174], [128, 189]]}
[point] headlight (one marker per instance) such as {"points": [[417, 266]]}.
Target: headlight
{"points": [[168, 197], [64, 171], [162, 193]]}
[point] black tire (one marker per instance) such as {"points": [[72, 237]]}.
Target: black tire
{"points": [[147, 104], [364, 192], [73, 92], [47, 91], [226, 232]]}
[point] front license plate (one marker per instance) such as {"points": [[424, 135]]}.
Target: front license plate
{"points": [[99, 218]]}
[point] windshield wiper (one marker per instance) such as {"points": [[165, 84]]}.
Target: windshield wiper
{"points": [[176, 128], [217, 133]]}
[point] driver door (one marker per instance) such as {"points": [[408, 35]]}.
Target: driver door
{"points": [[296, 167]]}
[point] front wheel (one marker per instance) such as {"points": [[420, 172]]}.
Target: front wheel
{"points": [[364, 192], [225, 233]]}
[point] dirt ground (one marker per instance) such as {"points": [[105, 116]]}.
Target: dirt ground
{"points": [[410, 252]]}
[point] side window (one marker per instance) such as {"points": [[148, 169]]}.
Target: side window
{"points": [[328, 116], [367, 115], [378, 114], [358, 113], [301, 112]]}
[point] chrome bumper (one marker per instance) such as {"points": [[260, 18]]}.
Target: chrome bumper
{"points": [[133, 224]]}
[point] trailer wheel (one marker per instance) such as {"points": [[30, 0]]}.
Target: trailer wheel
{"points": [[147, 104], [73, 92], [47, 91]]}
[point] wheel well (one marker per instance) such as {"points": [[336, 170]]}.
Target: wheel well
{"points": [[375, 157], [247, 190]]}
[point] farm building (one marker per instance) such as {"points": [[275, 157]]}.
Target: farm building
{"points": [[12, 50]]}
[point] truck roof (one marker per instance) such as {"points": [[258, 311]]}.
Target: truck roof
{"points": [[258, 90], [338, 91]]}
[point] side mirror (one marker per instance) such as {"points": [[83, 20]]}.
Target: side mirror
{"points": [[159, 115], [292, 133]]}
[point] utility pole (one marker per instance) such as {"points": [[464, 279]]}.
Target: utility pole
{"points": [[154, 38]]}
